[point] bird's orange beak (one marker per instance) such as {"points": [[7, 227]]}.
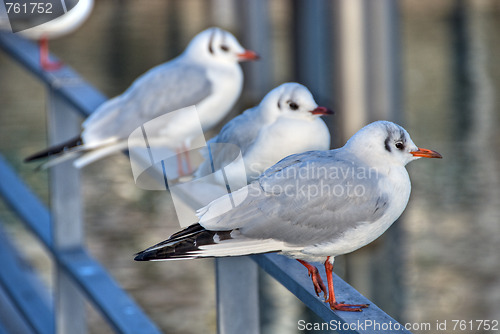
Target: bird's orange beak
{"points": [[248, 55], [425, 153], [321, 111]]}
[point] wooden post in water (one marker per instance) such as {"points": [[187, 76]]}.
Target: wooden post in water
{"points": [[369, 89]]}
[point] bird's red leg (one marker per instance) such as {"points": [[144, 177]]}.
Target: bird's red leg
{"points": [[188, 161], [180, 169], [319, 286], [45, 62], [331, 293]]}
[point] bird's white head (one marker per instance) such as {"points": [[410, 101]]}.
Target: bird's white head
{"points": [[217, 45], [387, 143], [292, 100]]}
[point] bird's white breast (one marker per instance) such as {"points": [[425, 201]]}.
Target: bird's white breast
{"points": [[398, 187], [282, 138], [227, 83]]}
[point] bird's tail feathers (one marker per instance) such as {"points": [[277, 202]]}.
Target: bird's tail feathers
{"points": [[55, 160], [75, 148], [99, 153], [56, 149], [197, 242]]}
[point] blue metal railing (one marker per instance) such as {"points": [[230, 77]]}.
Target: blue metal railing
{"points": [[91, 278], [100, 288]]}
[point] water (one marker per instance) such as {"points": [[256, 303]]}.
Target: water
{"points": [[453, 220]]}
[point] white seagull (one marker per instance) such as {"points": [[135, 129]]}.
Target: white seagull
{"points": [[207, 74], [31, 13], [311, 206], [285, 122]]}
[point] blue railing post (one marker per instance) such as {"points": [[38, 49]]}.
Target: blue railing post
{"points": [[237, 296], [237, 278], [67, 224]]}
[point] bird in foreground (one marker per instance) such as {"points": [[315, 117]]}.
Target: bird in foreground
{"points": [[29, 17], [207, 75], [311, 206], [287, 121]]}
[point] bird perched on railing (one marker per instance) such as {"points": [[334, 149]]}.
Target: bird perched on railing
{"points": [[311, 206], [40, 21], [207, 74], [285, 122]]}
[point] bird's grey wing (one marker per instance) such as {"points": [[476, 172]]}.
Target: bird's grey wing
{"points": [[292, 160], [312, 198], [172, 86], [241, 131], [165, 88]]}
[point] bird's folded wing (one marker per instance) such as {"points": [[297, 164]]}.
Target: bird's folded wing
{"points": [[165, 88], [305, 199], [241, 132]]}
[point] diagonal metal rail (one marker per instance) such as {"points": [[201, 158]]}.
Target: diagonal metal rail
{"points": [[123, 314]]}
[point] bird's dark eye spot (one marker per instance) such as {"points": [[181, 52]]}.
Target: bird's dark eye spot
{"points": [[386, 144], [294, 106], [224, 48], [210, 47], [400, 146]]}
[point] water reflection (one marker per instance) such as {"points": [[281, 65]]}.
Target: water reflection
{"points": [[454, 218]]}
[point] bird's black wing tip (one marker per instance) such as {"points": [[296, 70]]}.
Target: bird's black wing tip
{"points": [[33, 157], [141, 256], [54, 150]]}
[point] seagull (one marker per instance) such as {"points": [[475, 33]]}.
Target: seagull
{"points": [[75, 13], [285, 122], [207, 75], [311, 206]]}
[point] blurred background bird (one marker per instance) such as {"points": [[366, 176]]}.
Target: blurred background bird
{"points": [[207, 74], [32, 22], [286, 121]]}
